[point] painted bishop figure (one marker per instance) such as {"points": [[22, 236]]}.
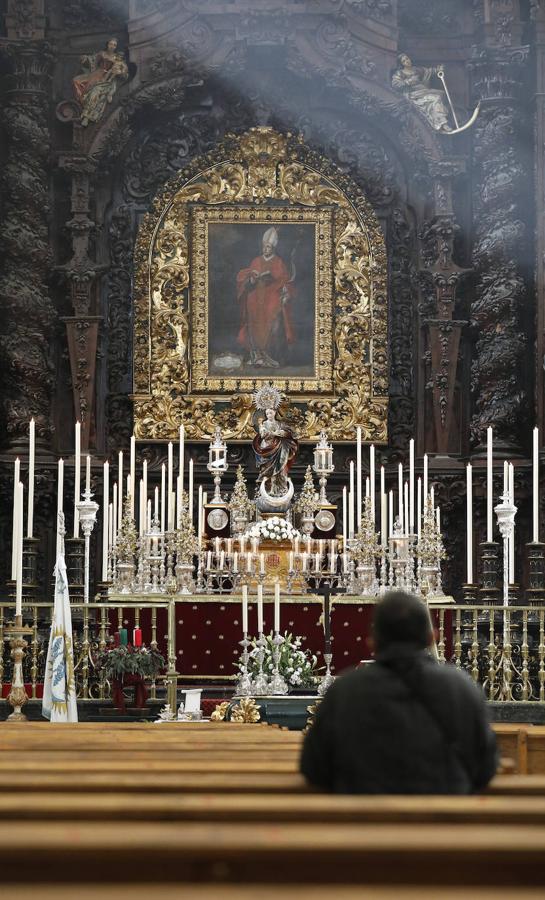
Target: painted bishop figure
{"points": [[265, 290]]}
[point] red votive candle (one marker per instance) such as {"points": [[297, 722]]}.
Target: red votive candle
{"points": [[137, 637], [116, 639]]}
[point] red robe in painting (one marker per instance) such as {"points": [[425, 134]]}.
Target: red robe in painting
{"points": [[261, 303]]}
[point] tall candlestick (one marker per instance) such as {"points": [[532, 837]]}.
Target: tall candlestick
{"points": [[438, 519], [31, 462], [358, 478], [277, 607], [406, 506], [535, 487], [19, 571], [141, 509], [133, 473], [418, 507], [489, 496], [351, 499], [156, 503], [425, 481], [469, 522], [400, 492], [144, 489], [181, 455], [60, 493], [148, 523], [383, 508], [262, 563], [260, 608], [367, 488], [163, 500], [120, 489], [391, 513], [170, 516], [200, 516], [345, 517], [245, 608], [16, 479], [110, 526], [372, 480], [178, 500], [88, 474], [77, 477], [505, 477], [511, 488], [105, 518], [115, 512], [411, 485], [190, 479]]}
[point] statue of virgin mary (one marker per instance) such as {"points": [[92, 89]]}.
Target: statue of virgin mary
{"points": [[275, 447]]}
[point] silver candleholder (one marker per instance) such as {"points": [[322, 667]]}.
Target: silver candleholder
{"points": [[87, 510], [328, 678], [278, 683], [261, 682], [244, 683]]}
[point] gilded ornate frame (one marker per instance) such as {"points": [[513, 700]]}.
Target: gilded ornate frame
{"points": [[201, 217], [262, 168]]}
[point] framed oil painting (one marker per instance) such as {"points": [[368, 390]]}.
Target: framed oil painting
{"points": [[261, 297]]}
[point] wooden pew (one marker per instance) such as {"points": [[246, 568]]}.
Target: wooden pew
{"points": [[265, 892], [285, 853], [279, 807]]}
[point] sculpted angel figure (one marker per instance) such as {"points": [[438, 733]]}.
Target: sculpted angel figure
{"points": [[275, 445], [413, 81], [96, 85]]}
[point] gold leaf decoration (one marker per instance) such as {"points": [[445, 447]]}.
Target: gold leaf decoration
{"points": [[261, 175], [218, 714], [246, 711]]}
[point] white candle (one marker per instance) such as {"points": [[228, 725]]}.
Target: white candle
{"points": [[77, 477], [181, 461], [245, 608], [132, 488], [209, 560], [222, 560], [163, 497], [60, 492], [351, 502], [425, 481], [505, 477], [372, 480], [249, 562], [418, 507], [438, 519], [19, 572], [383, 509], [333, 565], [88, 474], [128, 485], [511, 488], [200, 517], [345, 562], [170, 517], [114, 516], [235, 561], [391, 512], [345, 516], [400, 492], [489, 501], [406, 506], [367, 488], [145, 481], [16, 479], [156, 503], [411, 485], [262, 563], [358, 477], [304, 561], [120, 489], [178, 501], [260, 608], [317, 561], [277, 607], [31, 463], [535, 491], [105, 518], [110, 526], [141, 509], [469, 522], [191, 490], [148, 517]]}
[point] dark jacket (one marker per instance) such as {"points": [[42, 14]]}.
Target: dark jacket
{"points": [[401, 725]]}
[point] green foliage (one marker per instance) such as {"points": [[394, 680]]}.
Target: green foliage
{"points": [[130, 660]]}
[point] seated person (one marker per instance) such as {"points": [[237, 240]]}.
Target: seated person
{"points": [[403, 724]]}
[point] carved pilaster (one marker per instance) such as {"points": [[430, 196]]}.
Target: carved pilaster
{"points": [[502, 196], [29, 315], [443, 331]]}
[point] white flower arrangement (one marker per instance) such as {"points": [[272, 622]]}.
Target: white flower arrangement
{"points": [[273, 529], [296, 665]]}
